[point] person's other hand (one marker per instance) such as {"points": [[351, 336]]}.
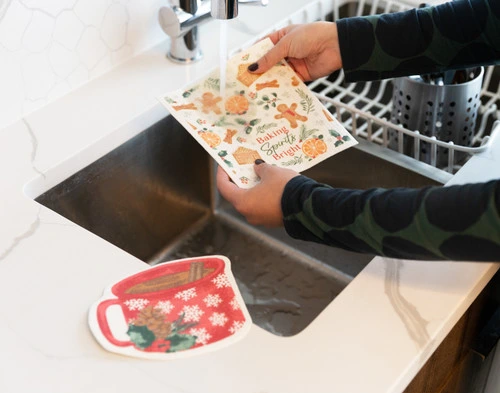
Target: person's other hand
{"points": [[261, 205], [312, 50]]}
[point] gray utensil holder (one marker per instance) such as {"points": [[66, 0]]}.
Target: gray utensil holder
{"points": [[446, 111]]}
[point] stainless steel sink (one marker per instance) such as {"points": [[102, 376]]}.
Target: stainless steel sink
{"points": [[154, 197]]}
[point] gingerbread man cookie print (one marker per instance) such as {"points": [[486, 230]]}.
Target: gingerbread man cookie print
{"points": [[210, 102], [289, 114]]}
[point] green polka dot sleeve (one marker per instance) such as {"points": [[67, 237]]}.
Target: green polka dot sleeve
{"points": [[433, 223], [453, 35]]}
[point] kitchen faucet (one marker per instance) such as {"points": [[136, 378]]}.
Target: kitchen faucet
{"points": [[180, 22]]}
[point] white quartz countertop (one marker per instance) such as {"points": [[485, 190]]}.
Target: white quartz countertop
{"points": [[373, 337]]}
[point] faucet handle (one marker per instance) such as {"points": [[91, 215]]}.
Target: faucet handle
{"points": [[175, 21], [254, 2], [170, 20]]}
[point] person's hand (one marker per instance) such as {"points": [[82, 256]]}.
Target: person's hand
{"points": [[312, 50], [261, 205]]}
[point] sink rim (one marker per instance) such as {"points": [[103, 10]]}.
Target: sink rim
{"points": [[67, 167]]}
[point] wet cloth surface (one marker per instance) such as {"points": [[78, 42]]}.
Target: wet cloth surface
{"points": [[272, 116]]}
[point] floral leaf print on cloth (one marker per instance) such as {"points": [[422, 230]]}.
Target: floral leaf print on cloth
{"points": [[268, 101], [273, 116], [305, 133], [306, 101], [212, 83], [340, 139]]}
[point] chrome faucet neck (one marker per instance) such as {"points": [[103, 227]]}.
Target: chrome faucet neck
{"points": [[180, 23], [224, 9]]}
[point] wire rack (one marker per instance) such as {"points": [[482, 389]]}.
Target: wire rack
{"points": [[364, 108]]}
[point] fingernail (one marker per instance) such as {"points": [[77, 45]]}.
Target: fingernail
{"points": [[253, 67], [258, 161]]}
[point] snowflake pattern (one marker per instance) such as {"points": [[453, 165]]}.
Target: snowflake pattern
{"points": [[212, 300], [192, 313], [235, 304], [237, 325], [202, 336], [186, 295], [136, 304], [165, 306], [221, 281], [218, 319]]}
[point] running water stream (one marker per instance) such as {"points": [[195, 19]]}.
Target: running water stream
{"points": [[223, 57]]}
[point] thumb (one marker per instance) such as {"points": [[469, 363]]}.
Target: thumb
{"points": [[261, 168], [268, 171], [273, 56]]}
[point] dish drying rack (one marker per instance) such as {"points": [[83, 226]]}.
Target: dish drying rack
{"points": [[364, 108]]}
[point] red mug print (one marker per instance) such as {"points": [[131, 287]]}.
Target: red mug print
{"points": [[188, 304]]}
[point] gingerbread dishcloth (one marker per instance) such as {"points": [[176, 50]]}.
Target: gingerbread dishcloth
{"points": [[272, 116]]}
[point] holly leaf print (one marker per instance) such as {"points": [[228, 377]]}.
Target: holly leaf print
{"points": [[222, 122], [334, 133], [248, 125], [187, 93], [180, 342], [268, 101], [141, 336]]}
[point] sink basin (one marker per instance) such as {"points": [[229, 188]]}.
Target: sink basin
{"points": [[154, 197]]}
